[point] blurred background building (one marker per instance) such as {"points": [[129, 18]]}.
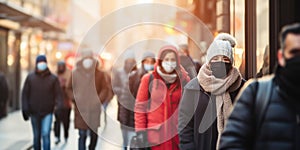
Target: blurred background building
{"points": [[57, 27]]}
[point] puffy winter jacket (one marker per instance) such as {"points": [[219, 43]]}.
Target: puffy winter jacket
{"points": [[279, 129], [40, 93]]}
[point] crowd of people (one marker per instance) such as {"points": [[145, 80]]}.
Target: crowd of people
{"points": [[169, 101]]}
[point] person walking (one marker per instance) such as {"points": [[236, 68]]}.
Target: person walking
{"points": [[186, 61], [89, 92], [41, 93], [207, 99], [267, 113], [126, 114], [156, 120], [125, 102], [62, 116], [3, 95]]}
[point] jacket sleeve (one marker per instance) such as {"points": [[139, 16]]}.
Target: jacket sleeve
{"points": [[186, 121], [141, 104], [58, 92], [240, 128], [117, 82], [25, 95], [104, 86]]}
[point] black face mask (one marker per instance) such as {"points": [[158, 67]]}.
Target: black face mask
{"points": [[289, 76], [220, 69]]}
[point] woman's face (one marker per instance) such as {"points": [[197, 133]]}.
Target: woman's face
{"points": [[220, 58], [169, 62], [149, 61], [220, 66], [170, 57]]}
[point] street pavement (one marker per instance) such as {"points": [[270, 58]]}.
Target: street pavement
{"points": [[16, 134]]}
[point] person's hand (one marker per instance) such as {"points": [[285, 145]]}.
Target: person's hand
{"points": [[142, 138], [25, 115]]}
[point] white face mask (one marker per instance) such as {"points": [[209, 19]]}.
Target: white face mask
{"points": [[169, 66], [87, 63]]}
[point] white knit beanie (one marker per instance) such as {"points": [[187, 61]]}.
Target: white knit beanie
{"points": [[222, 45]]}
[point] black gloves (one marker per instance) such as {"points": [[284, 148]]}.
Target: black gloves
{"points": [[25, 115]]}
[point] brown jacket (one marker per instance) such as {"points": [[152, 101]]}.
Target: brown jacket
{"points": [[89, 90]]}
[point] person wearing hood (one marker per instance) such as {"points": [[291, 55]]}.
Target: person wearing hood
{"points": [[89, 92], [41, 92], [120, 88], [63, 116], [207, 99], [270, 122], [158, 97]]}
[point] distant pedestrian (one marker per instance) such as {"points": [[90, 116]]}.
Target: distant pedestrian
{"points": [[186, 61], [158, 97], [267, 113], [41, 92], [126, 111], [208, 99], [88, 86], [62, 116], [120, 87], [3, 95]]}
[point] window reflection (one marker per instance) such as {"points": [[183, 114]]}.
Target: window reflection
{"points": [[262, 33]]}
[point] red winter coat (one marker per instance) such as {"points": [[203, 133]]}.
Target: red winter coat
{"points": [[160, 116]]}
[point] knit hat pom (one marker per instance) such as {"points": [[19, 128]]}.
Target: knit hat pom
{"points": [[227, 37]]}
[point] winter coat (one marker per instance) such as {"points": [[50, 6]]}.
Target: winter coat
{"points": [[89, 91], [194, 104], [159, 117], [41, 92], [125, 102], [63, 80], [279, 129], [127, 97]]}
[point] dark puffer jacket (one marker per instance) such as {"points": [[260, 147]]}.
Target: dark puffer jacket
{"points": [[280, 128], [40, 94]]}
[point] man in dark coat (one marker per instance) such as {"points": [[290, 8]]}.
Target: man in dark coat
{"points": [[3, 95], [41, 92], [279, 126]]}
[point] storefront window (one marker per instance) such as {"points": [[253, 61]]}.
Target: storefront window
{"points": [[262, 33], [237, 29]]}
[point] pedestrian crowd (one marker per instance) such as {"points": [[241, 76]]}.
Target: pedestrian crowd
{"points": [[168, 101]]}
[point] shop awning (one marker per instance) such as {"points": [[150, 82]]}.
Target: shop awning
{"points": [[18, 14]]}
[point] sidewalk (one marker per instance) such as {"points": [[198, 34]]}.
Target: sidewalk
{"points": [[17, 133]]}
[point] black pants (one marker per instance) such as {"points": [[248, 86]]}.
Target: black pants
{"points": [[62, 116]]}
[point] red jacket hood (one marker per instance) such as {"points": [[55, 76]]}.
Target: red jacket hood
{"points": [[181, 71]]}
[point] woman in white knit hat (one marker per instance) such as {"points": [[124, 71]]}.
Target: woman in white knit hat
{"points": [[207, 100]]}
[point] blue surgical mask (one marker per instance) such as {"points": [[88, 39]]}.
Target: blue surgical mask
{"points": [[148, 67], [42, 66]]}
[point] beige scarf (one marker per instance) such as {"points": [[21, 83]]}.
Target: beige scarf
{"points": [[220, 88], [169, 78]]}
